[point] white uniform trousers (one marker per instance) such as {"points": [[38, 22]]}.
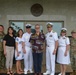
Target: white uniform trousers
{"points": [[50, 59], [28, 59]]}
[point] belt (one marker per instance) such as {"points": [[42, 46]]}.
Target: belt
{"points": [[29, 46], [61, 46], [38, 51], [50, 45]]}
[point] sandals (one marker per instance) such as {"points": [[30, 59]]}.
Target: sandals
{"points": [[18, 72], [21, 71], [8, 73], [11, 72]]}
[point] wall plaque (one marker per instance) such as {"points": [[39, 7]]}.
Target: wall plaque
{"points": [[36, 10]]}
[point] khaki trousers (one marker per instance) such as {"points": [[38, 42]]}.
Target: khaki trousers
{"points": [[9, 57]]}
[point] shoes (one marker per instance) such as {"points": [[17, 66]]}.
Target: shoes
{"points": [[31, 71], [21, 71], [47, 72], [11, 71], [25, 71], [52, 74], [18, 72], [40, 74], [35, 74], [8, 73], [60, 74]]}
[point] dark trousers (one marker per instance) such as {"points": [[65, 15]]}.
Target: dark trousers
{"points": [[37, 61]]}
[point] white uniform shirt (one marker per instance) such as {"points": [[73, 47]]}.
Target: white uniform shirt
{"points": [[63, 41], [25, 38], [51, 37]]}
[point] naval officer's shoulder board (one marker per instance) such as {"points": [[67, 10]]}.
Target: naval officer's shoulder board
{"points": [[53, 31]]}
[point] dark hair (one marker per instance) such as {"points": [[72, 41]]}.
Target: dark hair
{"points": [[11, 29], [2, 26], [19, 31], [28, 27], [62, 32]]}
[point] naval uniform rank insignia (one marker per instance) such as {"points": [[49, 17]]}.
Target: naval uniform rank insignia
{"points": [[50, 35], [63, 38]]}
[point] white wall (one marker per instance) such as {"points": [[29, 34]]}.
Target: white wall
{"points": [[63, 10]]}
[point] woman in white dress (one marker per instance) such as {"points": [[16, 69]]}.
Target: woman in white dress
{"points": [[63, 57], [19, 51]]}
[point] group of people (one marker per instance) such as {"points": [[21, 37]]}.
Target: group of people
{"points": [[29, 46]]}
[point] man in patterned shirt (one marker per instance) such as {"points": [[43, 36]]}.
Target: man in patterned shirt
{"points": [[37, 40]]}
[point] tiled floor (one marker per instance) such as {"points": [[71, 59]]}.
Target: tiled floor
{"points": [[44, 69]]}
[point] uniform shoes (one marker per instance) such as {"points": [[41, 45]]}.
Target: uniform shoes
{"points": [[60, 74], [31, 71], [47, 72], [52, 74], [25, 71]]}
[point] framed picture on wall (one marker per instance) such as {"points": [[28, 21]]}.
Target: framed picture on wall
{"points": [[17, 25]]}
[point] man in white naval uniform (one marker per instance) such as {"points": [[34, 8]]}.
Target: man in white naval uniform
{"points": [[51, 47], [27, 50]]}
